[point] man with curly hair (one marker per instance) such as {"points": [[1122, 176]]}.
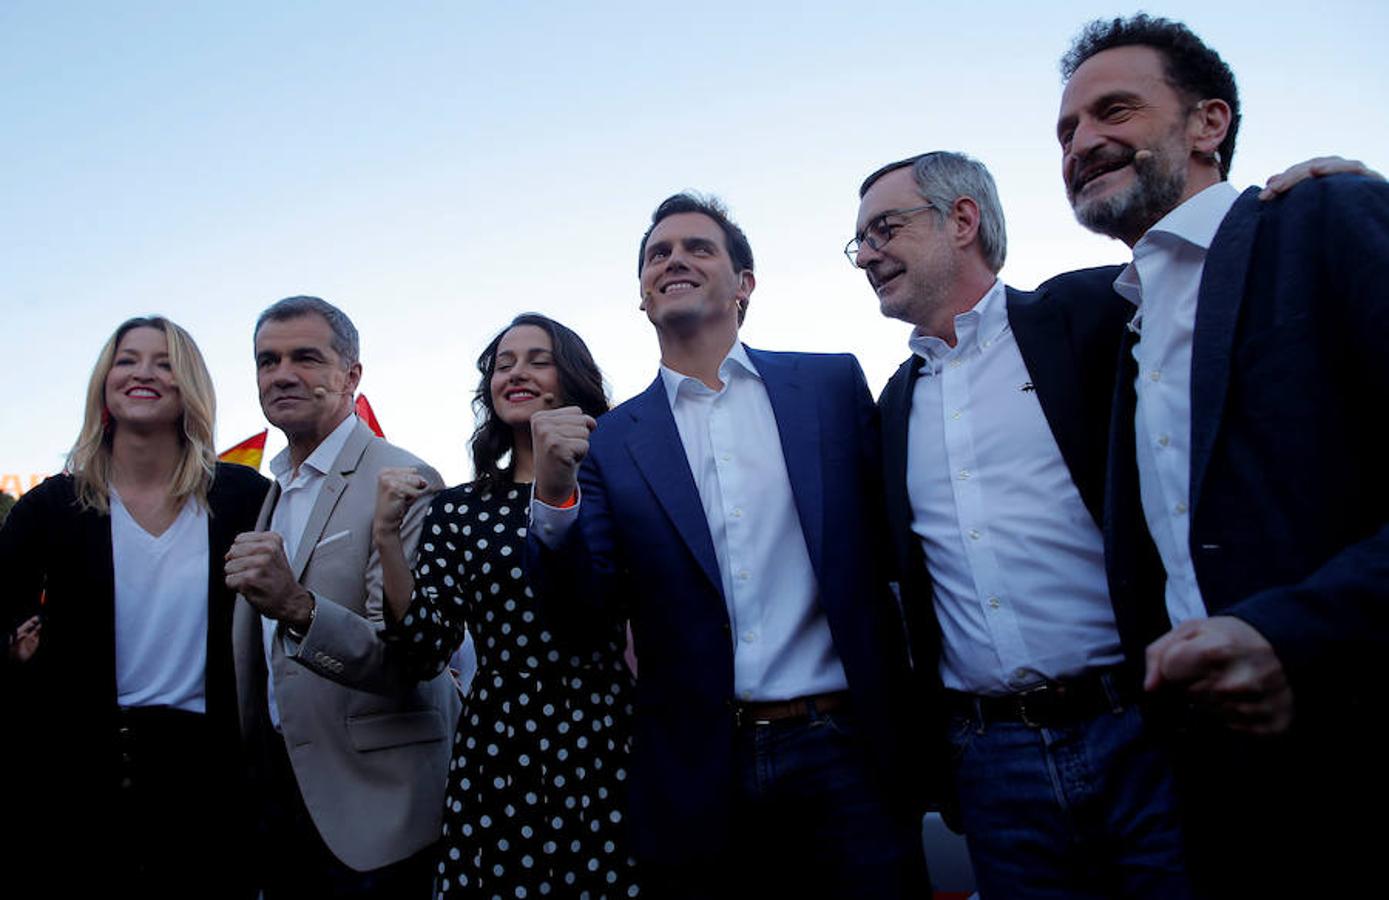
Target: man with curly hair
{"points": [[1246, 448]]}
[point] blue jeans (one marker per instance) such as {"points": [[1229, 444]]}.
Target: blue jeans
{"points": [[809, 820], [1087, 810]]}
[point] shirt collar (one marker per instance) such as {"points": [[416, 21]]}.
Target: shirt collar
{"points": [[320, 460], [736, 361], [1194, 222], [975, 328]]}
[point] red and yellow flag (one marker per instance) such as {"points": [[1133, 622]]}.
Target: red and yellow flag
{"points": [[365, 413], [247, 453]]}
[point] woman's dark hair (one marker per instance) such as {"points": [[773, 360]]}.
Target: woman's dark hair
{"points": [[580, 382]]}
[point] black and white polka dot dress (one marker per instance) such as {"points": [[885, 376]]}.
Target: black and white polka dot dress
{"points": [[536, 797]]}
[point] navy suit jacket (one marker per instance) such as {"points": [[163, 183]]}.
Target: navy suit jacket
{"points": [[642, 550], [1289, 495]]}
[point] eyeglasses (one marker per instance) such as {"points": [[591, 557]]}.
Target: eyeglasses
{"points": [[880, 231]]}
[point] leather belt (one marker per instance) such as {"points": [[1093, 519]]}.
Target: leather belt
{"points": [[1051, 704], [765, 713]]}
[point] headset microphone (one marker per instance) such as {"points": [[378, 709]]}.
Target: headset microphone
{"points": [[320, 392], [1142, 157]]}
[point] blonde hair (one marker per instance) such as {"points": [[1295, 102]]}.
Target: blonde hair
{"points": [[90, 462]]}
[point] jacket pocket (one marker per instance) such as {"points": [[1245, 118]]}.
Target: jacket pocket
{"points": [[377, 731]]}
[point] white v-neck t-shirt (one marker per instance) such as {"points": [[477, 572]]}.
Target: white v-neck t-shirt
{"points": [[161, 609]]}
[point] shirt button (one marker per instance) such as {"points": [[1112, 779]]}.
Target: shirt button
{"points": [[987, 343], [725, 457], [1019, 674], [1179, 509], [955, 414], [974, 534], [994, 603], [1164, 440], [749, 637], [743, 575], [1155, 375], [747, 695], [738, 513], [964, 475], [954, 363]]}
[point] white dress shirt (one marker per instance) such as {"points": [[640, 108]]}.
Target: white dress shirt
{"points": [[161, 609], [298, 493], [782, 647], [1167, 265], [1015, 558]]}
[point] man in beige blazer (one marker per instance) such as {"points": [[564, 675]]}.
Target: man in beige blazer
{"points": [[348, 753]]}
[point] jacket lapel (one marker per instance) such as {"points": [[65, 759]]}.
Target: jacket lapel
{"points": [[895, 410], [1217, 313], [798, 424], [1044, 340], [660, 457], [329, 494]]}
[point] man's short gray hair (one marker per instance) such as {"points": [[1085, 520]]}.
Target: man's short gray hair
{"points": [[942, 177], [345, 342]]}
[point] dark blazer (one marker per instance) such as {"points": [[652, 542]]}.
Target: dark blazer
{"points": [[61, 705], [1068, 331], [642, 549], [1290, 380], [1289, 501]]}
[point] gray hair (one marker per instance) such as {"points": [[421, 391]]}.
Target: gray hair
{"points": [[345, 342], [942, 178]]}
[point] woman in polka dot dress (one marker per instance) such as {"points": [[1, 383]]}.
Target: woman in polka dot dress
{"points": [[535, 805]]}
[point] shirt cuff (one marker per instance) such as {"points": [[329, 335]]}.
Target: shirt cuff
{"points": [[552, 523]]}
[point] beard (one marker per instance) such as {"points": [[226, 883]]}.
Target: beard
{"points": [[1157, 187]]}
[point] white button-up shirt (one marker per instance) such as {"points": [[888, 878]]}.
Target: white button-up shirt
{"points": [[1015, 558], [1163, 281], [782, 647], [299, 492]]}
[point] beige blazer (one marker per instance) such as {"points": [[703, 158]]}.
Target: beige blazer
{"points": [[370, 746]]}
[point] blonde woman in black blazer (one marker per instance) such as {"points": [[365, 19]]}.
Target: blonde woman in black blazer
{"points": [[125, 797]]}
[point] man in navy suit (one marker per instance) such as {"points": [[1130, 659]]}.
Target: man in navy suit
{"points": [[995, 434], [730, 511], [1248, 441]]}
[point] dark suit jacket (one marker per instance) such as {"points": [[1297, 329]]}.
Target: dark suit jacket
{"points": [[642, 548], [61, 708], [1290, 381], [1289, 500], [1068, 332]]}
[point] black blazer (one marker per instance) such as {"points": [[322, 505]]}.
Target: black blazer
{"points": [[1068, 331], [61, 706], [1289, 497]]}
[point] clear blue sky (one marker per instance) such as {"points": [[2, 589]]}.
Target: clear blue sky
{"points": [[434, 168]]}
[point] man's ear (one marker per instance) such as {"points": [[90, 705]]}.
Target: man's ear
{"points": [[743, 296], [1210, 122], [964, 221]]}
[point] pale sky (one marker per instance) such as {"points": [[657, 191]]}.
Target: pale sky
{"points": [[434, 168]]}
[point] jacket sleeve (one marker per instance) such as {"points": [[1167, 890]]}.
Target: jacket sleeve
{"points": [[1337, 618], [351, 649], [579, 583]]}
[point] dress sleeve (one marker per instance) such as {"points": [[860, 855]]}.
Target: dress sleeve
{"points": [[434, 624]]}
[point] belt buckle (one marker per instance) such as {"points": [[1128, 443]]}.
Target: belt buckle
{"points": [[1022, 696], [741, 717]]}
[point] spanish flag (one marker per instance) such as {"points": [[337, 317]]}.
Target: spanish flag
{"points": [[365, 413], [247, 453]]}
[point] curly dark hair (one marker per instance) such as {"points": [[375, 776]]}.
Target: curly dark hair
{"points": [[1194, 70], [580, 382]]}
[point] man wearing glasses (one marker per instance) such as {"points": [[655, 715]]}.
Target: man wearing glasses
{"points": [[994, 437]]}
